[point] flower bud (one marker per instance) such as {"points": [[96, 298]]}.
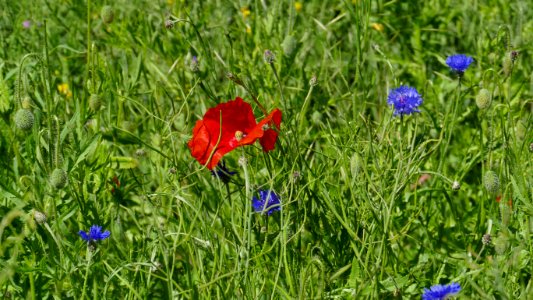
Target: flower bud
{"points": [[491, 181], [58, 179], [39, 217], [269, 57], [486, 239], [24, 119], [289, 45], [95, 102], [169, 24], [313, 81], [483, 99], [107, 14], [507, 65]]}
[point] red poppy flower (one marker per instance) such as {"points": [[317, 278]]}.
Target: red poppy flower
{"points": [[228, 126]]}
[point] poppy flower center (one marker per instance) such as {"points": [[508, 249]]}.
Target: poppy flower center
{"points": [[239, 135]]}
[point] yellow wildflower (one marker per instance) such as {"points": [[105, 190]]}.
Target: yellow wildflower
{"points": [[64, 90], [377, 26], [245, 12], [298, 6]]}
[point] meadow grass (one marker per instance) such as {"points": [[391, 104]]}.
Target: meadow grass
{"points": [[374, 206]]}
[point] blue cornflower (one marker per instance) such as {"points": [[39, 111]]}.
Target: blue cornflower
{"points": [[441, 292], [459, 62], [405, 100], [268, 202], [222, 173], [95, 234]]}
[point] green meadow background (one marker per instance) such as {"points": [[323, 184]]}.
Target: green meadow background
{"points": [[369, 205]]}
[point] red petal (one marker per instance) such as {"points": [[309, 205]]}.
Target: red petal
{"points": [[268, 141], [234, 116]]}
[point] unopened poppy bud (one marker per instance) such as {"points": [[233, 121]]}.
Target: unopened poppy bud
{"points": [[39, 217], [491, 181], [483, 99], [289, 45], [456, 186], [58, 179], [269, 57], [95, 102], [507, 65], [107, 14], [24, 119], [239, 135]]}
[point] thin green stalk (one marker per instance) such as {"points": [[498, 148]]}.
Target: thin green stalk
{"points": [[89, 257]]}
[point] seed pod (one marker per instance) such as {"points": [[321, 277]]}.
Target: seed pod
{"points": [[107, 14], [95, 102], [483, 99], [491, 181], [58, 179], [24, 119]]}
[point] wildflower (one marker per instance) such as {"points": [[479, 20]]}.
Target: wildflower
{"points": [[298, 6], [228, 126], [64, 90], [194, 65], [245, 12], [459, 62], [377, 26], [405, 100], [441, 292], [222, 173], [95, 234], [268, 202], [269, 57], [26, 24]]}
